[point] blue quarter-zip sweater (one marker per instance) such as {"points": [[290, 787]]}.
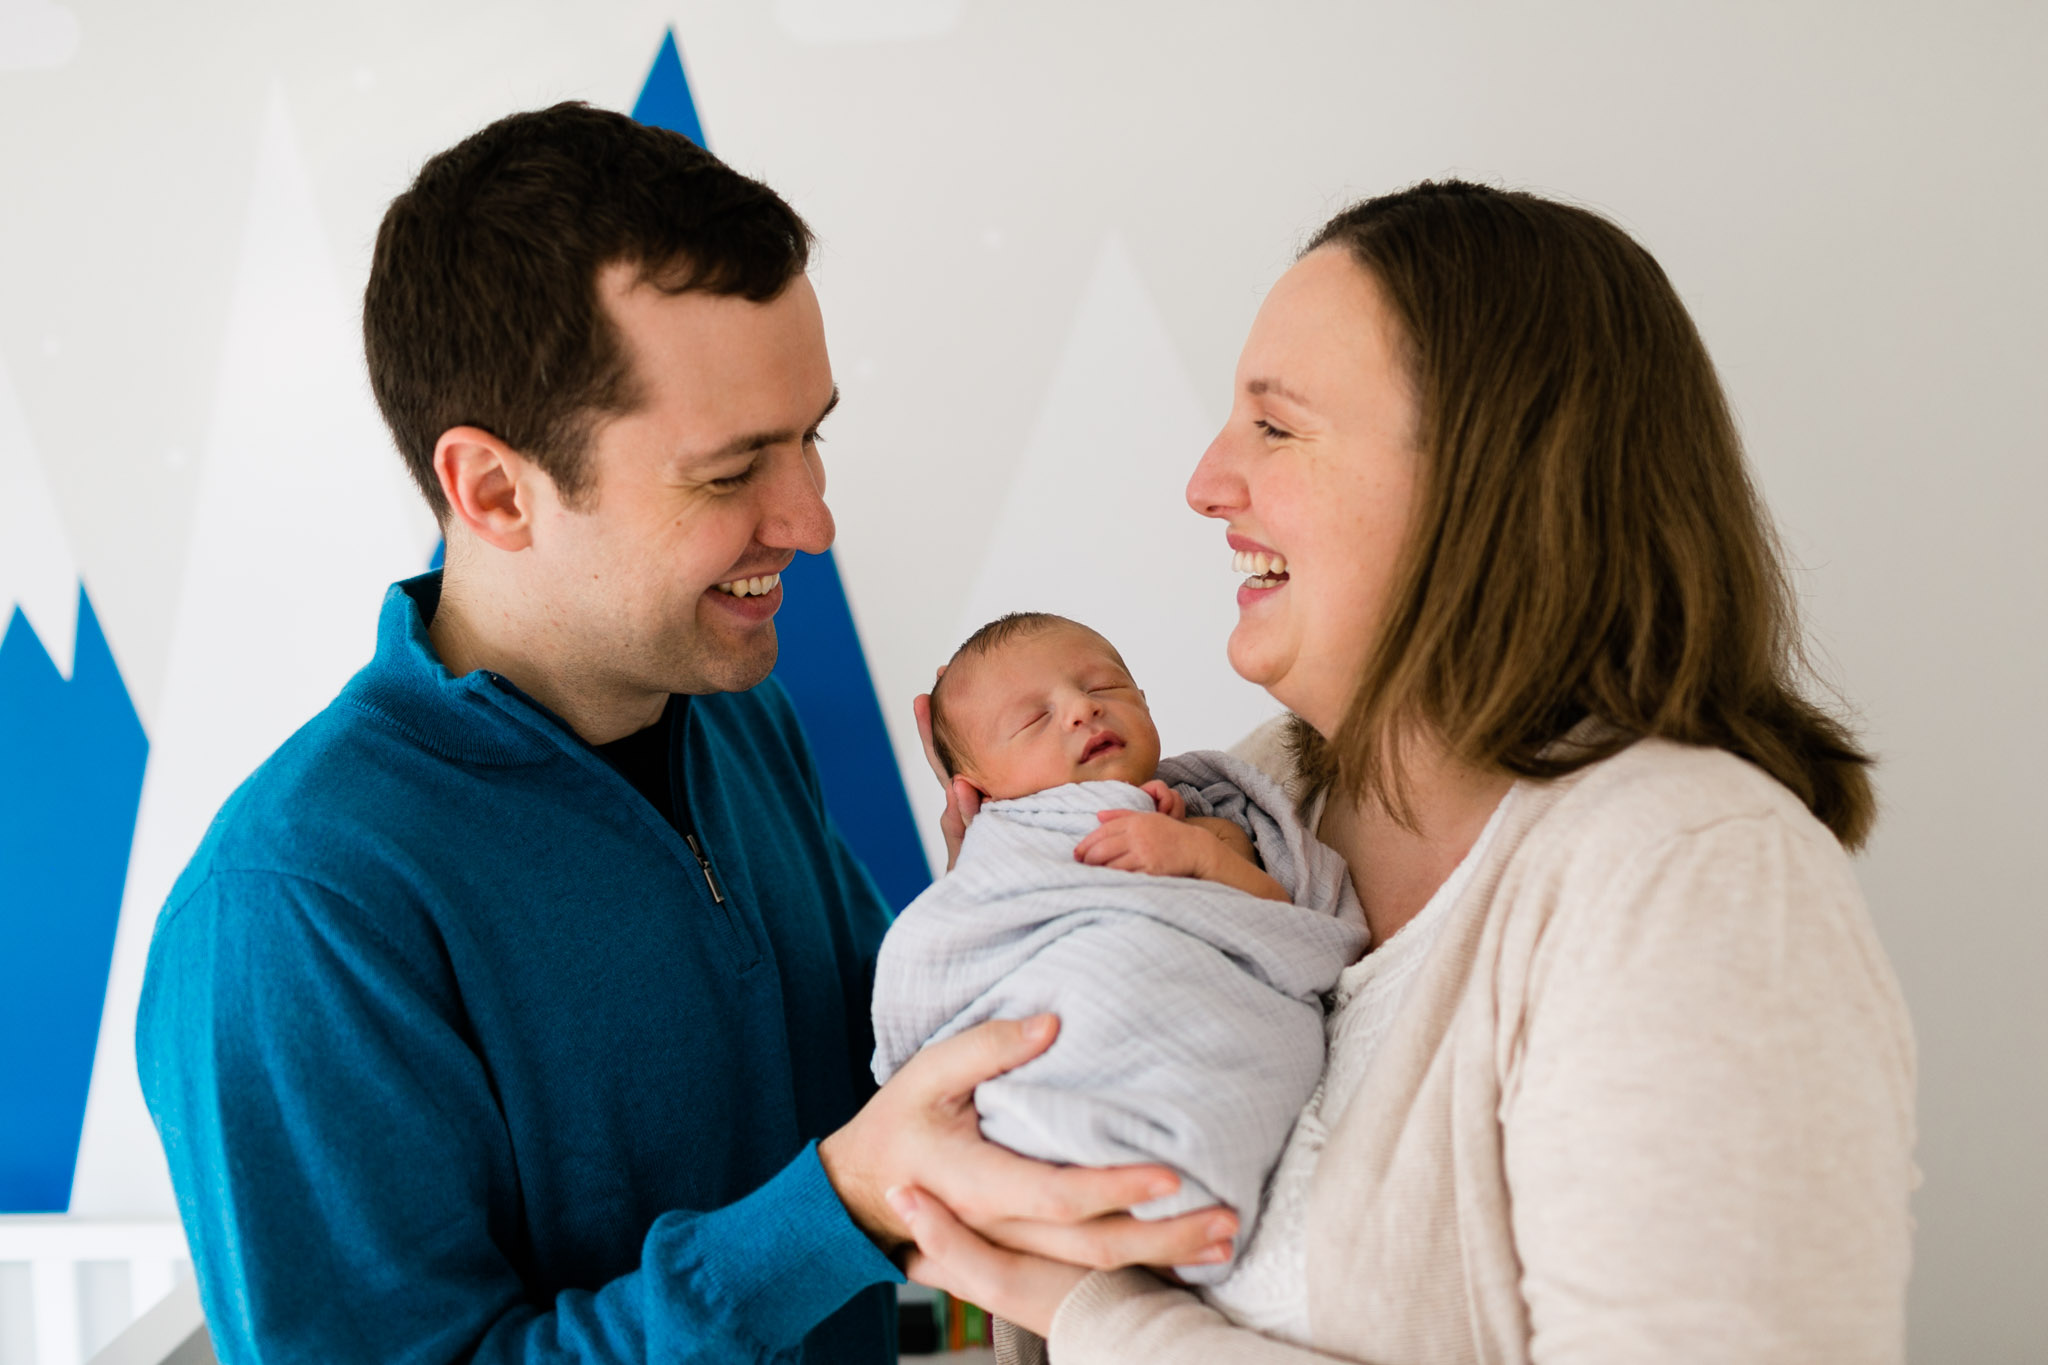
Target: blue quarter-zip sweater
{"points": [[456, 1056]]}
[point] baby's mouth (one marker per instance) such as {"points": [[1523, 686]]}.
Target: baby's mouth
{"points": [[1262, 570], [1103, 744]]}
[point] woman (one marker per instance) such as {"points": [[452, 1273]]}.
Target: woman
{"points": [[1628, 1076]]}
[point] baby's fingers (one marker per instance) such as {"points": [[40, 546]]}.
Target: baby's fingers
{"points": [[1105, 816], [1100, 847], [1165, 800]]}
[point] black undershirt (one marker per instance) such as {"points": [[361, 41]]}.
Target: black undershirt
{"points": [[642, 758]]}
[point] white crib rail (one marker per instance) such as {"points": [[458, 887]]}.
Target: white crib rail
{"points": [[55, 1246]]}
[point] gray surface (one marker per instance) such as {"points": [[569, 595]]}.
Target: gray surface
{"points": [[172, 1333]]}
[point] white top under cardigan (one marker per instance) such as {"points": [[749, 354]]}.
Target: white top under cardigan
{"points": [[1268, 1288], [1650, 1098]]}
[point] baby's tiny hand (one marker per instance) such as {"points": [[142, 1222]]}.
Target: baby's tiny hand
{"points": [[1165, 799], [1154, 843]]}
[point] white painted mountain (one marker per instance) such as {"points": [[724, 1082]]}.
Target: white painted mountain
{"points": [[303, 516], [867, 21], [1095, 525], [37, 572]]}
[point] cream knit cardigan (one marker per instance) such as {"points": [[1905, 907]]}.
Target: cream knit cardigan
{"points": [[1651, 1099]]}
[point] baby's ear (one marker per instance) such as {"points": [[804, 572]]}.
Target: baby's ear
{"points": [[967, 803]]}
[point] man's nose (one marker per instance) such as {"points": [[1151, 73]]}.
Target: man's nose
{"points": [[795, 516]]}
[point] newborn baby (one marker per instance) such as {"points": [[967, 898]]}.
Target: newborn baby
{"points": [[1175, 915]]}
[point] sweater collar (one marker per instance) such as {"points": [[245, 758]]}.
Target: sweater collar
{"points": [[479, 717]]}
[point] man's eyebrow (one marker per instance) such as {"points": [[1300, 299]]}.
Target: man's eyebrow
{"points": [[761, 440], [1273, 386]]}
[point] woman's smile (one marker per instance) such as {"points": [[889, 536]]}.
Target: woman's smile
{"points": [[1265, 570]]}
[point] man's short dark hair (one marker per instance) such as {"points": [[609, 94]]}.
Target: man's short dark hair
{"points": [[988, 639], [482, 308]]}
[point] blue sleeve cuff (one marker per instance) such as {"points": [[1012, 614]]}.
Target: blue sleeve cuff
{"points": [[780, 1261]]}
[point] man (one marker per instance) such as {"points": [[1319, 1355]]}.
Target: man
{"points": [[517, 1007]]}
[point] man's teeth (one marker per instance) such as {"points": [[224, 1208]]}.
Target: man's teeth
{"points": [[751, 587], [1259, 566]]}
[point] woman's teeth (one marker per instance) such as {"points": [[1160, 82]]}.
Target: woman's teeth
{"points": [[750, 587], [1263, 570]]}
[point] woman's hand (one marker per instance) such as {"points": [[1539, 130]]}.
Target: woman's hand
{"points": [[921, 1130], [963, 801], [1026, 1290]]}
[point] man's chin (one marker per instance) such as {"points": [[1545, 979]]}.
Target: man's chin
{"points": [[731, 665]]}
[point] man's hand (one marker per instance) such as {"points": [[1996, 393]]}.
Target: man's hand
{"points": [[921, 1131], [963, 801]]}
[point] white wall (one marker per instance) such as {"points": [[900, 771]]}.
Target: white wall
{"points": [[1046, 228]]}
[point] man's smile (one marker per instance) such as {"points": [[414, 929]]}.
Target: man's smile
{"points": [[753, 598], [759, 586]]}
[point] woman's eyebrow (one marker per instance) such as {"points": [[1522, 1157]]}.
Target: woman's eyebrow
{"points": [[1258, 387]]}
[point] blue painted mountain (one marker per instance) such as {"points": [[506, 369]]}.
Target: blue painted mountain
{"points": [[822, 664], [71, 760], [665, 96]]}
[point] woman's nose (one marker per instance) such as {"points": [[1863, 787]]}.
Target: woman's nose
{"points": [[1216, 489]]}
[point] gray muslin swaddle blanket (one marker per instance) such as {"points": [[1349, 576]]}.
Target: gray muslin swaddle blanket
{"points": [[1191, 1019]]}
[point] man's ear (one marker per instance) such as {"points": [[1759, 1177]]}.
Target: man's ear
{"points": [[486, 483]]}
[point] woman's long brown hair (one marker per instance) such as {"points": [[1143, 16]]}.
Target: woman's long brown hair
{"points": [[1587, 540]]}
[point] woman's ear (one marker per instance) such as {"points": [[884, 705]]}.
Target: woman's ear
{"points": [[485, 482]]}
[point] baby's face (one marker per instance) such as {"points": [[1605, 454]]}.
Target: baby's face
{"points": [[1048, 708]]}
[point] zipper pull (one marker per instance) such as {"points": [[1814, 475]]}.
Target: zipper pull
{"points": [[710, 877]]}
